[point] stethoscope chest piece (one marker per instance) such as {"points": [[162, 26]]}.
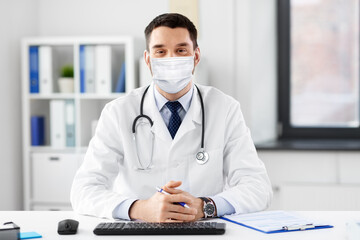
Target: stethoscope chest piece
{"points": [[202, 157]]}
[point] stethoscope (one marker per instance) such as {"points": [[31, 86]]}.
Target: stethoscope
{"points": [[201, 156]]}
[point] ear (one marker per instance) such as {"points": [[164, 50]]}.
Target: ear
{"points": [[197, 56], [147, 60]]}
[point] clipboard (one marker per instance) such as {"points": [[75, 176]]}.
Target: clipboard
{"points": [[275, 222]]}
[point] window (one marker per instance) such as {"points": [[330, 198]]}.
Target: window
{"points": [[318, 68]]}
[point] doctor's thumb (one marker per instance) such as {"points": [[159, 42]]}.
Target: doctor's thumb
{"points": [[173, 184]]}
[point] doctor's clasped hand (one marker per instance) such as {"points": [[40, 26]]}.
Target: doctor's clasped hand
{"points": [[163, 208]]}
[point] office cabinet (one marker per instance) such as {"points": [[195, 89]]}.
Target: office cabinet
{"points": [[349, 168], [313, 180], [51, 207], [103, 69], [51, 175], [320, 197], [300, 166]]}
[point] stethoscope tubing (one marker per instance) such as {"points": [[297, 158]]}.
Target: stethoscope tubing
{"points": [[141, 112], [203, 118], [142, 115]]}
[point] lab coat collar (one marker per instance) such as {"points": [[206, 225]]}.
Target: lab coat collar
{"points": [[159, 128], [194, 111], [192, 117]]}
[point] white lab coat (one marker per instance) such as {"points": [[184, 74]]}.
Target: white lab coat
{"points": [[109, 176]]}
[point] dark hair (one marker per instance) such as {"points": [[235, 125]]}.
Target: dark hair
{"points": [[171, 20]]}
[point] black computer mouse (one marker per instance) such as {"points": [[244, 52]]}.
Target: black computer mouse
{"points": [[68, 226]]}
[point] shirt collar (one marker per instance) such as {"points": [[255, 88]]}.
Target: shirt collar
{"points": [[185, 100]]}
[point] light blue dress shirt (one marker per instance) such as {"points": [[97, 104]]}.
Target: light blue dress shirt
{"points": [[223, 207]]}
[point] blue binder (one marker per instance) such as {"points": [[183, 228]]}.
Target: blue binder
{"points": [[275, 222], [37, 130], [34, 69], [82, 69], [120, 86]]}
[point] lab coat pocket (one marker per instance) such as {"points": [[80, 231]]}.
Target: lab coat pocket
{"points": [[207, 179]]}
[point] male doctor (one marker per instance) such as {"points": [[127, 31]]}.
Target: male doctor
{"points": [[215, 170]]}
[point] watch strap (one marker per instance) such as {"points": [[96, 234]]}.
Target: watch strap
{"points": [[206, 200]]}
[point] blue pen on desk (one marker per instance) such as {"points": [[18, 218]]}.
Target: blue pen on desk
{"points": [[160, 190]]}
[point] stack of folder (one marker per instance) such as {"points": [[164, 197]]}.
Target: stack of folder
{"points": [[41, 69], [62, 123], [96, 70]]}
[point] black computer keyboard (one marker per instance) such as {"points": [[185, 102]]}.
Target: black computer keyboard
{"points": [[144, 228]]}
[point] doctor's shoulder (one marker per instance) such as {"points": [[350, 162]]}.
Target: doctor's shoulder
{"points": [[215, 99], [131, 99], [125, 105]]}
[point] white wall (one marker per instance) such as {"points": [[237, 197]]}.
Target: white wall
{"points": [[237, 39], [93, 17], [217, 42], [18, 18], [255, 76]]}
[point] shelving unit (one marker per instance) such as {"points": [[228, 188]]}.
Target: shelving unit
{"points": [[48, 171]]}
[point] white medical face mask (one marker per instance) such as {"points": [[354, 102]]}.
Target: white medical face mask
{"points": [[172, 74]]}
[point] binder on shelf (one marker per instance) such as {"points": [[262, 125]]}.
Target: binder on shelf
{"points": [[34, 69], [120, 85], [70, 123], [45, 70], [82, 68], [103, 69], [57, 123], [90, 69], [87, 69], [37, 130], [275, 222]]}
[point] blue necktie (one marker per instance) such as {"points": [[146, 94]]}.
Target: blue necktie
{"points": [[175, 119]]}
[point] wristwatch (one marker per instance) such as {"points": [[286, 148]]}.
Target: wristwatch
{"points": [[208, 208]]}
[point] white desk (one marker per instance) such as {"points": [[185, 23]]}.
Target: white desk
{"points": [[45, 223]]}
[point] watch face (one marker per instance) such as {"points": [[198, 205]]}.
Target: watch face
{"points": [[209, 209]]}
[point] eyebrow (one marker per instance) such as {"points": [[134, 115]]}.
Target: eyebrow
{"points": [[158, 46], [183, 44]]}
